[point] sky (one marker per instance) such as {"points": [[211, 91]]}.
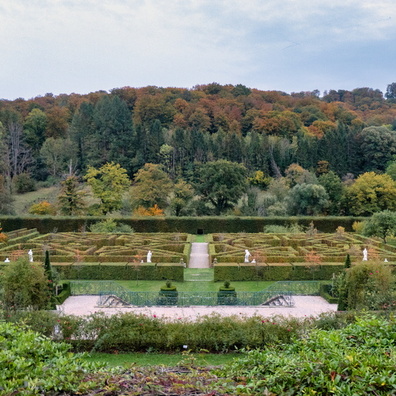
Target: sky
{"points": [[82, 46]]}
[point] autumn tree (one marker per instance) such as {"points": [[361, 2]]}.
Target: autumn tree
{"points": [[152, 186], [371, 193], [221, 183], [108, 183], [42, 208], [71, 199]]}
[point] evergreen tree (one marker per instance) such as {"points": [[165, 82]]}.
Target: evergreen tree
{"points": [[71, 200], [113, 135], [82, 134]]}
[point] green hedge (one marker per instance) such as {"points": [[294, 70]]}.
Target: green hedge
{"points": [[120, 271], [280, 272], [325, 291], [64, 294], [191, 225]]}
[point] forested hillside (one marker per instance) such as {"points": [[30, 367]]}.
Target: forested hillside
{"points": [[290, 147]]}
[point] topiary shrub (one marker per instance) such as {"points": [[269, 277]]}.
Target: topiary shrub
{"points": [[227, 295], [168, 294]]}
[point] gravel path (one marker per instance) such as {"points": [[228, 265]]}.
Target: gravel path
{"points": [[199, 256], [304, 306]]}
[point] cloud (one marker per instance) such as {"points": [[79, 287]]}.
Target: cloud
{"points": [[87, 45]]}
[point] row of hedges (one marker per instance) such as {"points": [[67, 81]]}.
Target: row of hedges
{"points": [[191, 225], [280, 272], [120, 271]]}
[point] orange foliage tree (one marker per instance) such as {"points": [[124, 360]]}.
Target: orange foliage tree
{"points": [[153, 211]]}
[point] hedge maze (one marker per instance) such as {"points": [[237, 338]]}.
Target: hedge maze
{"points": [[291, 256], [104, 256], [85, 255]]}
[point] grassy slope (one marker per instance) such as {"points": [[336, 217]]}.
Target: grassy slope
{"points": [[22, 202]]}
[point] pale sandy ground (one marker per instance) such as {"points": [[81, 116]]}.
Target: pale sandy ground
{"points": [[304, 306]]}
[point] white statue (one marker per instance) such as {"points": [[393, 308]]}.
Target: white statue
{"points": [[365, 254], [254, 261], [30, 254], [386, 260], [7, 260], [247, 255], [149, 254]]}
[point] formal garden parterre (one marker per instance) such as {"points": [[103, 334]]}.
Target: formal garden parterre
{"points": [[274, 256]]}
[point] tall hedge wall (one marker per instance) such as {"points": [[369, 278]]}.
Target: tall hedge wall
{"points": [[191, 225]]}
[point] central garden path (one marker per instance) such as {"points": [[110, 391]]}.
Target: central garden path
{"points": [[198, 267], [199, 256]]}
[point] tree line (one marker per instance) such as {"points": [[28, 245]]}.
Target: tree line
{"points": [[344, 134]]}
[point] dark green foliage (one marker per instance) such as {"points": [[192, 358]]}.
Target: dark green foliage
{"points": [[64, 293], [120, 271], [25, 286], [246, 272], [23, 183], [222, 184], [71, 200], [348, 261], [381, 224], [178, 224]]}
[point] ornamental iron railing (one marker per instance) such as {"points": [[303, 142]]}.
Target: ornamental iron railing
{"points": [[110, 292]]}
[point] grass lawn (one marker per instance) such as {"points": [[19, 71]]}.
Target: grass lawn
{"points": [[156, 359], [193, 286]]}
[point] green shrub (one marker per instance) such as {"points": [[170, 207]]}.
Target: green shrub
{"points": [[31, 364], [354, 360], [111, 226], [23, 183]]}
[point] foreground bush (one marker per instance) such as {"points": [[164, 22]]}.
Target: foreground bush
{"points": [[141, 333], [31, 364], [359, 359]]}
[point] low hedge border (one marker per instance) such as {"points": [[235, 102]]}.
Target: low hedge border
{"points": [[277, 272]]}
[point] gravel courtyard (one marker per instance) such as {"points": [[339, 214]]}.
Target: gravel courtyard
{"points": [[304, 306]]}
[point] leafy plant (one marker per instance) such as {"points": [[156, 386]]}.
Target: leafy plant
{"points": [[357, 359], [31, 364], [111, 226]]}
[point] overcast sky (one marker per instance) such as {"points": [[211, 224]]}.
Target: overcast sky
{"points": [[81, 46]]}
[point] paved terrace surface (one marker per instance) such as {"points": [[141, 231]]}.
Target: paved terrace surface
{"points": [[304, 306], [199, 256]]}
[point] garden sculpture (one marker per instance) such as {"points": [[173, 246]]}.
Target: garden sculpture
{"points": [[30, 254], [149, 254], [7, 260], [247, 255], [364, 254]]}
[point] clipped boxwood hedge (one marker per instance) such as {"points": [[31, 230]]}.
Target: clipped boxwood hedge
{"points": [[276, 272], [191, 225], [120, 271]]}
